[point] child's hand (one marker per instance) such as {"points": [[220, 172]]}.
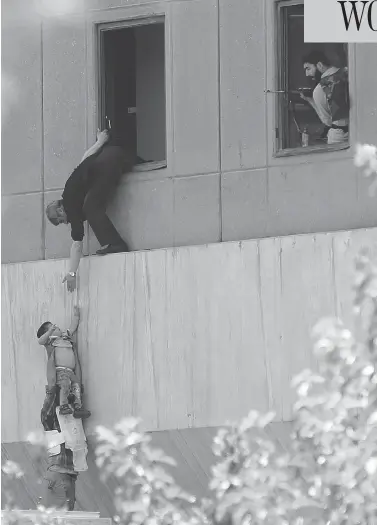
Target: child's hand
{"points": [[76, 311], [52, 328]]}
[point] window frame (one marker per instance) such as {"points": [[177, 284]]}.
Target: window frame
{"points": [[102, 27], [280, 121], [135, 14]]}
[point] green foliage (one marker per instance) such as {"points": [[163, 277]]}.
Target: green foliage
{"points": [[147, 493], [12, 516]]}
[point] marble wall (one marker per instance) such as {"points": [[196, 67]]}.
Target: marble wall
{"points": [[181, 337]]}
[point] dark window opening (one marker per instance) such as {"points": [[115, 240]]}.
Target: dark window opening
{"points": [[132, 89], [314, 123]]}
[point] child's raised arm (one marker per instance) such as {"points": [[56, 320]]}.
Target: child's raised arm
{"points": [[78, 364], [75, 320]]}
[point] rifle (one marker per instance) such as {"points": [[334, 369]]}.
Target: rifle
{"points": [[297, 91]]}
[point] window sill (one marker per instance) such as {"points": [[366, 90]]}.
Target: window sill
{"points": [[150, 166], [320, 148], [149, 171]]}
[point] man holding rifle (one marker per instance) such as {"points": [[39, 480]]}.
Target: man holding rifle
{"points": [[330, 97]]}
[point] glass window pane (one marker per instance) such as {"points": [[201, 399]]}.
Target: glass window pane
{"points": [[322, 117]]}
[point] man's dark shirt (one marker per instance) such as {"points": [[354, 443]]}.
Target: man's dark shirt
{"points": [[75, 190], [108, 160]]}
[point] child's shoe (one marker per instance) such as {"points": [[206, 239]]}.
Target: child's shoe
{"points": [[80, 412], [65, 410]]}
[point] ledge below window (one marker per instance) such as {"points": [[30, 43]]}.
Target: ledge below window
{"points": [[150, 166], [320, 148]]}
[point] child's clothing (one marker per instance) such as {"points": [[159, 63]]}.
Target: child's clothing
{"points": [[64, 341], [65, 376], [68, 383], [64, 354]]}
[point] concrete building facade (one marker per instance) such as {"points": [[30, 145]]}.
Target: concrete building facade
{"points": [[191, 329], [223, 179]]}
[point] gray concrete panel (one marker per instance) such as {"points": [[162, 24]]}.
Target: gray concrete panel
{"points": [[195, 87], [64, 95], [21, 228], [197, 210], [245, 212], [21, 139], [243, 78]]}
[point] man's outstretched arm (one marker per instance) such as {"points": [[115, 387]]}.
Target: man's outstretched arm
{"points": [[102, 138], [74, 261], [77, 223]]}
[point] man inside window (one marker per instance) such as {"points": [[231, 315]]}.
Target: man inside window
{"points": [[330, 96], [85, 197]]}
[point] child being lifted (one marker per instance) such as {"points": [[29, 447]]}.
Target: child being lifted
{"points": [[63, 365]]}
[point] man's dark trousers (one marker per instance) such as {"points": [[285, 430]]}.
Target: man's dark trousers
{"points": [[107, 168]]}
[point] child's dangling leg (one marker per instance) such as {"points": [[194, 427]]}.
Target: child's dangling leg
{"points": [[79, 412], [76, 392], [63, 380]]}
